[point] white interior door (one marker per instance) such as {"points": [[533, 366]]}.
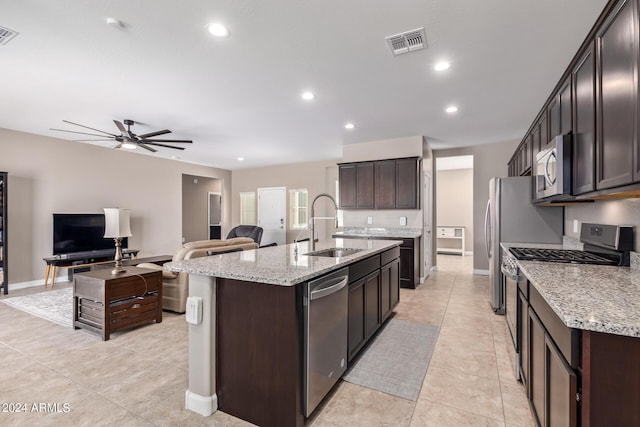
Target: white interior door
{"points": [[272, 214]]}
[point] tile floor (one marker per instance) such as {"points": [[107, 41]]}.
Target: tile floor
{"points": [[138, 378]]}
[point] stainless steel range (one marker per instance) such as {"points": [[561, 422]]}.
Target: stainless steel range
{"points": [[603, 245]]}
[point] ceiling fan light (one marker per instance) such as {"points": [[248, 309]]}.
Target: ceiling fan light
{"points": [[129, 145]]}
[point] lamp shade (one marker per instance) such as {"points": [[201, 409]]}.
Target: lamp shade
{"points": [[116, 223]]}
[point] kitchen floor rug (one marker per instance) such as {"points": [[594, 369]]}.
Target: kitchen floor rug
{"points": [[397, 359], [54, 306]]}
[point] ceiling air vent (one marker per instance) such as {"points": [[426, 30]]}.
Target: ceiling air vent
{"points": [[6, 35], [407, 41]]}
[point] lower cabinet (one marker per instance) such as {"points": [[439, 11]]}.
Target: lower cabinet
{"points": [[372, 303], [356, 317], [374, 291], [389, 288], [410, 263], [549, 379]]}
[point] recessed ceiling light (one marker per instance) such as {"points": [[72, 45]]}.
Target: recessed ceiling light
{"points": [[175, 157], [441, 66], [307, 96], [349, 126], [240, 159], [218, 30], [451, 109], [129, 145], [115, 22]]}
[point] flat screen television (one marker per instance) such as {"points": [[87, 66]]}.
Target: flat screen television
{"points": [[80, 233]]}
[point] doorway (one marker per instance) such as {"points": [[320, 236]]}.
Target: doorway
{"points": [[195, 206], [272, 214], [454, 205]]}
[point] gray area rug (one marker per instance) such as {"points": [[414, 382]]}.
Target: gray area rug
{"points": [[54, 306], [397, 360]]}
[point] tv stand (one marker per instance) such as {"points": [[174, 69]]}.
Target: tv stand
{"points": [[81, 260]]}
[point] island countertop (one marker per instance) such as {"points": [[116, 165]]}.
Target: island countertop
{"points": [[278, 265]]}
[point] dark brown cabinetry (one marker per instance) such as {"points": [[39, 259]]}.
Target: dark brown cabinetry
{"points": [[584, 122], [410, 263], [559, 111], [4, 278], [381, 184], [407, 183], [385, 184], [616, 96], [347, 179], [372, 303], [356, 185], [548, 356], [356, 317], [389, 288], [373, 294]]}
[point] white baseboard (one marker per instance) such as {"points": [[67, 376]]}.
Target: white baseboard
{"points": [[481, 272], [203, 405], [434, 268], [468, 253], [32, 283]]}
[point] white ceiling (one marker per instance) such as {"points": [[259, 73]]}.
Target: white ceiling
{"points": [[240, 96]]}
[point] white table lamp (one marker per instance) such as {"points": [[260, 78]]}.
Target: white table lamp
{"points": [[117, 226]]}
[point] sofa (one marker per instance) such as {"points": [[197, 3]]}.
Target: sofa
{"points": [[175, 286]]}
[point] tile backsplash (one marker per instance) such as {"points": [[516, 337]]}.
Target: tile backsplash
{"points": [[382, 218]]}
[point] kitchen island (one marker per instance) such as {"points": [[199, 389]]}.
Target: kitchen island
{"points": [[578, 334], [247, 353]]}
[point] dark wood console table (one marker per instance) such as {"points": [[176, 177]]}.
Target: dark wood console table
{"points": [[104, 303], [81, 260]]}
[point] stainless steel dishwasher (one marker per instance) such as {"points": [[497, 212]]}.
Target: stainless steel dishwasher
{"points": [[326, 305]]}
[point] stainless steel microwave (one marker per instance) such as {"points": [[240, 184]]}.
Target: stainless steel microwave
{"points": [[553, 168]]}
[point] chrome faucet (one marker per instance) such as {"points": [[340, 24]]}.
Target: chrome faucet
{"points": [[313, 218]]}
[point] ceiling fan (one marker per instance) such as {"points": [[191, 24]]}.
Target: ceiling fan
{"points": [[127, 139]]}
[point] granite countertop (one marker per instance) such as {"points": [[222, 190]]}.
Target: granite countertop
{"points": [[278, 265], [380, 232], [588, 297]]}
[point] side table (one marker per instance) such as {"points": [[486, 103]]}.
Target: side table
{"points": [[104, 303]]}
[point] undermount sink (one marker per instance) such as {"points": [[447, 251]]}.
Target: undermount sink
{"points": [[334, 252]]}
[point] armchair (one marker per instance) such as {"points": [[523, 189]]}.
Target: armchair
{"points": [[175, 286], [252, 231]]}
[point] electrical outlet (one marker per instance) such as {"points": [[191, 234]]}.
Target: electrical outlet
{"points": [[576, 225], [403, 220], [369, 220]]}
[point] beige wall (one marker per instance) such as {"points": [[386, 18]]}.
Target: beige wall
{"points": [[455, 204], [195, 206], [383, 149], [614, 212], [316, 177], [489, 160], [48, 175]]}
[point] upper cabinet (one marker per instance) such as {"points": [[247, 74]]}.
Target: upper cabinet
{"points": [[381, 184], [584, 122], [616, 96], [596, 101]]}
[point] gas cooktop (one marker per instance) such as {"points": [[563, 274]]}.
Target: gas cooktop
{"points": [[564, 255]]}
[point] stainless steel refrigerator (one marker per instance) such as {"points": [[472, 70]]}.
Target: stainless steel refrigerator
{"points": [[510, 217]]}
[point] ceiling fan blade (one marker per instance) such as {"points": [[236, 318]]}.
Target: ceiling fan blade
{"points": [[156, 133], [180, 141], [162, 145], [73, 131], [140, 144], [87, 127], [85, 140], [121, 127]]}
